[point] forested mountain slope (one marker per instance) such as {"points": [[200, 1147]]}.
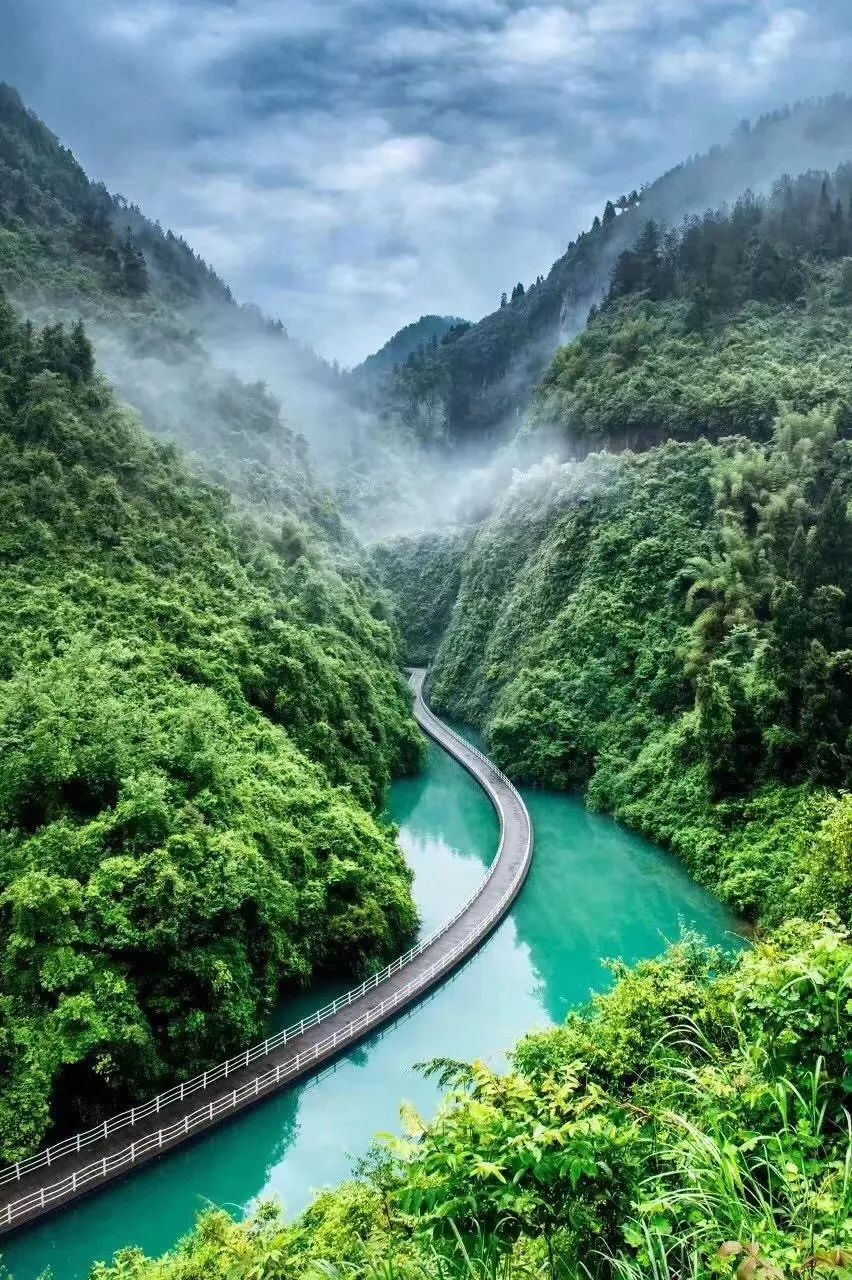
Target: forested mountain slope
{"points": [[199, 368], [198, 717], [408, 342], [672, 630], [711, 328], [484, 379], [252, 408]]}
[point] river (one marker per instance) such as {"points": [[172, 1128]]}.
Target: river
{"points": [[595, 890]]}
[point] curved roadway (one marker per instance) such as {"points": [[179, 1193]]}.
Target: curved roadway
{"points": [[81, 1164]]}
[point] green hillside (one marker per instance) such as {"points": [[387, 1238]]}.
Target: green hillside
{"points": [[198, 717], [166, 329], [199, 712], [670, 629], [711, 329], [478, 387], [411, 341]]}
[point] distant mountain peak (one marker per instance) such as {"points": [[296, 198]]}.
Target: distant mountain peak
{"points": [[408, 341]]}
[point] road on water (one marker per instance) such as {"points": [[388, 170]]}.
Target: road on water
{"points": [[595, 890]]}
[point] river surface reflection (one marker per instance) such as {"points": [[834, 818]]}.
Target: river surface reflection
{"points": [[595, 890]]}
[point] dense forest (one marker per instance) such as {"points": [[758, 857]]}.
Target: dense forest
{"points": [[201, 705], [478, 383], [409, 345], [247, 403], [197, 366], [708, 328], [669, 629], [198, 717]]}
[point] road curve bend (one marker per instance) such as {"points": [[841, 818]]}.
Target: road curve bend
{"points": [[79, 1165]]}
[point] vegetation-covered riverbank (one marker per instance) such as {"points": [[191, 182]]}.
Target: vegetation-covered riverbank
{"points": [[693, 1122], [199, 713], [198, 716]]}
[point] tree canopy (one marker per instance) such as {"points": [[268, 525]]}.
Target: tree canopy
{"points": [[198, 718]]}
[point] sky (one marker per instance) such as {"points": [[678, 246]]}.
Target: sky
{"points": [[349, 165]]}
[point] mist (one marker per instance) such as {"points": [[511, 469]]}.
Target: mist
{"points": [[285, 431]]}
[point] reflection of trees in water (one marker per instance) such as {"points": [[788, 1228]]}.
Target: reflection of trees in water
{"points": [[598, 891], [445, 803]]}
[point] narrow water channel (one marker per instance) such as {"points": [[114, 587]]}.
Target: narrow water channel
{"points": [[594, 891]]}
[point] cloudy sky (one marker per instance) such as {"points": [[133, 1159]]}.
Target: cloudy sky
{"points": [[352, 164]]}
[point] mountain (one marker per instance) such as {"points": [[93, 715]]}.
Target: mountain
{"points": [[200, 698], [64, 235], [254, 410], [201, 369], [713, 329], [665, 618], [478, 388], [412, 340]]}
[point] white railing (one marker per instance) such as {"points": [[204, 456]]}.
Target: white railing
{"points": [[45, 1196]]}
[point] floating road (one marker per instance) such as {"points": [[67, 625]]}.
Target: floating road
{"points": [[80, 1164]]}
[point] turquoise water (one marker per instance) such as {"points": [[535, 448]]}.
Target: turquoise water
{"points": [[594, 891]]}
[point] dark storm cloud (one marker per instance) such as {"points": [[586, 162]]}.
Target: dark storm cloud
{"points": [[350, 164]]}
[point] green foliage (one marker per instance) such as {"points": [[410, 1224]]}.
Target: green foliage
{"points": [[694, 1121], [156, 311], [422, 574], [59, 232], [670, 630], [197, 717], [478, 383], [715, 329], [410, 344], [637, 376]]}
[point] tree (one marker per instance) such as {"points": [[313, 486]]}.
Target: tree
{"points": [[511, 1158], [700, 309], [134, 267], [81, 356]]}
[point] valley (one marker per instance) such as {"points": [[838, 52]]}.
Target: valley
{"points": [[613, 518]]}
